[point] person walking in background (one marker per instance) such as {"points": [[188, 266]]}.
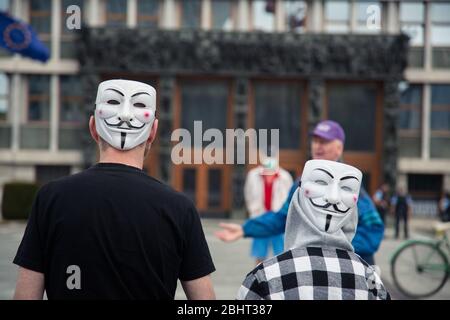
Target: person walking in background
{"points": [[381, 200], [444, 207], [266, 188], [401, 207], [111, 231]]}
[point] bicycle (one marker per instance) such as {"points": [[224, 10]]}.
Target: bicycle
{"points": [[420, 268]]}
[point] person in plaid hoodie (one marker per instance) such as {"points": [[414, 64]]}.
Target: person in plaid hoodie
{"points": [[319, 262]]}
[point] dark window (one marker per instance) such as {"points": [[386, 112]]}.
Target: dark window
{"points": [[410, 121], [71, 113], [214, 188], [354, 107], [425, 186], [440, 121], [206, 102], [40, 19], [5, 6], [222, 14], [191, 13], [116, 13], [39, 98], [4, 96], [148, 13], [5, 127], [337, 16], [71, 99], [189, 183], [440, 34], [278, 106]]}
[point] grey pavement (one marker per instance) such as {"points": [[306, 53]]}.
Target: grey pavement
{"points": [[232, 260]]}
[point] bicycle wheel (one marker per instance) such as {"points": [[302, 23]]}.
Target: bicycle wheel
{"points": [[419, 269]]}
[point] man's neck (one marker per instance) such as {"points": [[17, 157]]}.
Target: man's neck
{"points": [[132, 158]]}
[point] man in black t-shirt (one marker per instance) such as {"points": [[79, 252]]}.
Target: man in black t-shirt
{"points": [[111, 231]]}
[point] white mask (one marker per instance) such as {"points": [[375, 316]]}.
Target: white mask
{"points": [[124, 112], [328, 193]]}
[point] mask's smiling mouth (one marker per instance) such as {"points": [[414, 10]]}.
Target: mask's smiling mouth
{"points": [[327, 205], [119, 125]]}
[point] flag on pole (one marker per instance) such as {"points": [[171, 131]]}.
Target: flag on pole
{"points": [[19, 37]]}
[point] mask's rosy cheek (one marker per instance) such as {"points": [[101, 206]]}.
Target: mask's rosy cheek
{"points": [[144, 115], [350, 200], [312, 191], [105, 112]]}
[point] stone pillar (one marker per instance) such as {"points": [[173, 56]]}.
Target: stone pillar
{"points": [[243, 15], [446, 185], [316, 96], [167, 85], [15, 112], [132, 12], [241, 94], [54, 112], [426, 113], [390, 139], [90, 81]]}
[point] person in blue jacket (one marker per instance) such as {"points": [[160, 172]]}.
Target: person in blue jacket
{"points": [[328, 140]]}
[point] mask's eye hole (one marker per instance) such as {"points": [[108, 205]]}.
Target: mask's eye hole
{"points": [[321, 182], [345, 188], [139, 105], [112, 101]]}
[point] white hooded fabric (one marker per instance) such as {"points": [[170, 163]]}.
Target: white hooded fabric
{"points": [[124, 112], [323, 211]]}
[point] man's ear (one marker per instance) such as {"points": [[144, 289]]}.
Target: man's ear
{"points": [[93, 129], [152, 136], [340, 148]]}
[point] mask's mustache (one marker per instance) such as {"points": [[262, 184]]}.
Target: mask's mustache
{"points": [[130, 126], [327, 205]]}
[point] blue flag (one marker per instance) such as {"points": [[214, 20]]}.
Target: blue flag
{"points": [[19, 37]]}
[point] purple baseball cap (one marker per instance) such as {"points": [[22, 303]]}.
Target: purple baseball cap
{"points": [[329, 130]]}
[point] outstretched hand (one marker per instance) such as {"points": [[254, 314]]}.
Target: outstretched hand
{"points": [[230, 232]]}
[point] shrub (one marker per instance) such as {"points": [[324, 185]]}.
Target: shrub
{"points": [[17, 199]]}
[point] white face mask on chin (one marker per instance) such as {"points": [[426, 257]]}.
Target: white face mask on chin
{"points": [[328, 193], [124, 112]]}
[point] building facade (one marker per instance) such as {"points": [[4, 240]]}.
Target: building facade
{"points": [[238, 64]]}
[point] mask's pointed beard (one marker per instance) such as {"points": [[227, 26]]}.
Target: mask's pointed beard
{"points": [[327, 223], [123, 136]]}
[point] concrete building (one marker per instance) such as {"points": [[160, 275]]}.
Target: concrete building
{"points": [[233, 64]]}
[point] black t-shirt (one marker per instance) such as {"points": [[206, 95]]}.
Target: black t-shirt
{"points": [[112, 232]]}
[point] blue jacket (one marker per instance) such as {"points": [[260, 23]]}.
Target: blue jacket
{"points": [[369, 232]]}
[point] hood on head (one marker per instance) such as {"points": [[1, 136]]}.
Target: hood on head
{"points": [[323, 210]]}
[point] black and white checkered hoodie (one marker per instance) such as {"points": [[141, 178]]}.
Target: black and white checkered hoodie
{"points": [[315, 266], [313, 273]]}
